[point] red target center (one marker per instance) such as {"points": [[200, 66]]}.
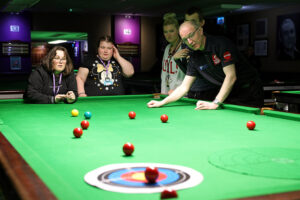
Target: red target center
{"points": [[139, 176]]}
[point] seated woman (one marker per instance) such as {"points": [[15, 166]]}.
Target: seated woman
{"points": [[54, 81], [102, 73]]}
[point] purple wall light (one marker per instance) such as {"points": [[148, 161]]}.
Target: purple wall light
{"points": [[14, 27], [127, 29]]}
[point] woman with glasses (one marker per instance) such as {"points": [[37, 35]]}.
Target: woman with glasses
{"points": [[171, 74], [54, 81]]}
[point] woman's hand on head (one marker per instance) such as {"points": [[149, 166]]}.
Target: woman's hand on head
{"points": [[183, 53], [116, 53]]}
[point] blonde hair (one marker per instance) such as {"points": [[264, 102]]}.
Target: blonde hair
{"points": [[169, 19]]}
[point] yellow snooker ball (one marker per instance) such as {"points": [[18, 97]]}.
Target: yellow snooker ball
{"points": [[75, 112]]}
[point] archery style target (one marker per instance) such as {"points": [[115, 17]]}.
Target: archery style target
{"points": [[130, 178]]}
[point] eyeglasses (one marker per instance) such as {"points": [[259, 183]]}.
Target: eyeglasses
{"points": [[60, 59], [190, 36]]}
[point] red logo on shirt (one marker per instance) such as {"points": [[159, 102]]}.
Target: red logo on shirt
{"points": [[227, 56], [168, 67], [215, 59]]}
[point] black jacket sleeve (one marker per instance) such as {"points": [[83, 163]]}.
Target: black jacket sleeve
{"points": [[34, 92], [72, 85]]}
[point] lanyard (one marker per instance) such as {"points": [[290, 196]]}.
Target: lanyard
{"points": [[106, 66], [170, 55], [59, 84]]}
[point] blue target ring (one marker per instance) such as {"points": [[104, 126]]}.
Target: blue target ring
{"points": [[115, 177]]}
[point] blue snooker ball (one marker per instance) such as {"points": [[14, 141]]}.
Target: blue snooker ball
{"points": [[87, 115]]}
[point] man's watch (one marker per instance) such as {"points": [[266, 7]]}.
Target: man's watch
{"points": [[216, 101]]}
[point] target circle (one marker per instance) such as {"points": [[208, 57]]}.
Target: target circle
{"points": [[271, 162], [130, 178]]}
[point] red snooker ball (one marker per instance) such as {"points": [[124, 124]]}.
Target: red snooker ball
{"points": [[151, 174], [168, 194], [128, 149], [251, 125], [77, 132], [164, 118], [131, 115], [85, 124]]}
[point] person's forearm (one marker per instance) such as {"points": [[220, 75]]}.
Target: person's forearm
{"points": [[35, 95], [127, 67], [177, 94], [225, 88], [80, 86]]}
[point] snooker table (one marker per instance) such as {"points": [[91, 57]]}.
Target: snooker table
{"points": [[45, 161], [291, 98]]}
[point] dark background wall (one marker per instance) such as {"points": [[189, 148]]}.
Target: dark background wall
{"points": [[98, 25], [270, 63], [94, 25]]}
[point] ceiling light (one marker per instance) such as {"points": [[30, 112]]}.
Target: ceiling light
{"points": [[57, 41]]}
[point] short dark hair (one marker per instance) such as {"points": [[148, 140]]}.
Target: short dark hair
{"points": [[193, 10], [47, 60], [105, 38]]}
